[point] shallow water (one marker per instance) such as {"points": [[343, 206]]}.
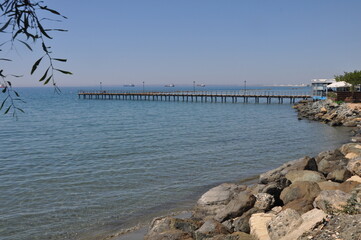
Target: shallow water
{"points": [[73, 168]]}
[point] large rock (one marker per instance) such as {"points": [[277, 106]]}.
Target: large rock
{"points": [[309, 221], [354, 179], [331, 201], [331, 160], [339, 175], [354, 166], [169, 228], [233, 236], [210, 228], [351, 150], [264, 201], [301, 205], [305, 163], [300, 190], [242, 202], [258, 224], [348, 186], [275, 189], [305, 176], [241, 224], [216, 199], [284, 223], [329, 185]]}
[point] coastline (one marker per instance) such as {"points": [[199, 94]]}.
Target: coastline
{"points": [[216, 217]]}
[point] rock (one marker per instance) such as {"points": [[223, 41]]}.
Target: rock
{"points": [[354, 166], [241, 224], [242, 202], [233, 236], [331, 160], [331, 201], [264, 201], [354, 148], [305, 163], [216, 199], [301, 205], [284, 223], [275, 189], [328, 185], [258, 224], [339, 175], [323, 110], [354, 179], [309, 221], [171, 228], [305, 175], [300, 190], [345, 227], [350, 123], [348, 186], [356, 139], [210, 228]]}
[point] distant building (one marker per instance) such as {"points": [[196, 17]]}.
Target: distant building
{"points": [[319, 88]]}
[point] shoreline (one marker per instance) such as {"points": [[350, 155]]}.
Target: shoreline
{"points": [[235, 211]]}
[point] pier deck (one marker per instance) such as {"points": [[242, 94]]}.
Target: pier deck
{"points": [[202, 96]]}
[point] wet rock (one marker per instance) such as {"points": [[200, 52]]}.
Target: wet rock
{"points": [[305, 176], [284, 223]]}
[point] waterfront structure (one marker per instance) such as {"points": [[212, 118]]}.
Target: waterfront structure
{"points": [[319, 88]]}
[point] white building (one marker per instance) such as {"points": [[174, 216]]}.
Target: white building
{"points": [[319, 87]]}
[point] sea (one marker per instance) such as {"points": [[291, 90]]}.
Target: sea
{"points": [[73, 168]]}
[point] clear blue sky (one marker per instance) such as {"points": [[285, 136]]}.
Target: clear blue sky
{"points": [[213, 42]]}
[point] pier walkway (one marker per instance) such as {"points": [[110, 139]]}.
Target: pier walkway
{"points": [[195, 96]]}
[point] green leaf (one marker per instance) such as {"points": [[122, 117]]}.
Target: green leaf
{"points": [[16, 93], [45, 74], [62, 71], [9, 83], [5, 25], [17, 76], [20, 110], [43, 31], [36, 64], [44, 47], [60, 59], [27, 45], [4, 90], [47, 80], [5, 59]]}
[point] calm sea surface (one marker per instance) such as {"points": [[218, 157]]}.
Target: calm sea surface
{"points": [[73, 168]]}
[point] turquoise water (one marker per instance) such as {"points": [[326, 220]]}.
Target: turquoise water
{"points": [[79, 169]]}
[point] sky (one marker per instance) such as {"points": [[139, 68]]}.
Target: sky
{"points": [[214, 42]]}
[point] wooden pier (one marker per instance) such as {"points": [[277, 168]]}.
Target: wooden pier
{"points": [[195, 96]]}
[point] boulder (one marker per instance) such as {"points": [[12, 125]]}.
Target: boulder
{"points": [[329, 185], [242, 202], [284, 223], [258, 224], [264, 201], [354, 166], [305, 175], [354, 179], [300, 190], [171, 228], [216, 199], [351, 148], [275, 189], [301, 205], [211, 228], [233, 236], [339, 175], [305, 163], [310, 220], [348, 186], [331, 160], [331, 201], [241, 224]]}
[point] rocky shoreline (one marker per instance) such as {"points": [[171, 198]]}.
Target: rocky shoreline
{"points": [[309, 198]]}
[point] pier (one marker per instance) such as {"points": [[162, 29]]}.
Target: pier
{"points": [[198, 96]]}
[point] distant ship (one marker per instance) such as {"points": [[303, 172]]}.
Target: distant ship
{"points": [[201, 85], [169, 85], [129, 85]]}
